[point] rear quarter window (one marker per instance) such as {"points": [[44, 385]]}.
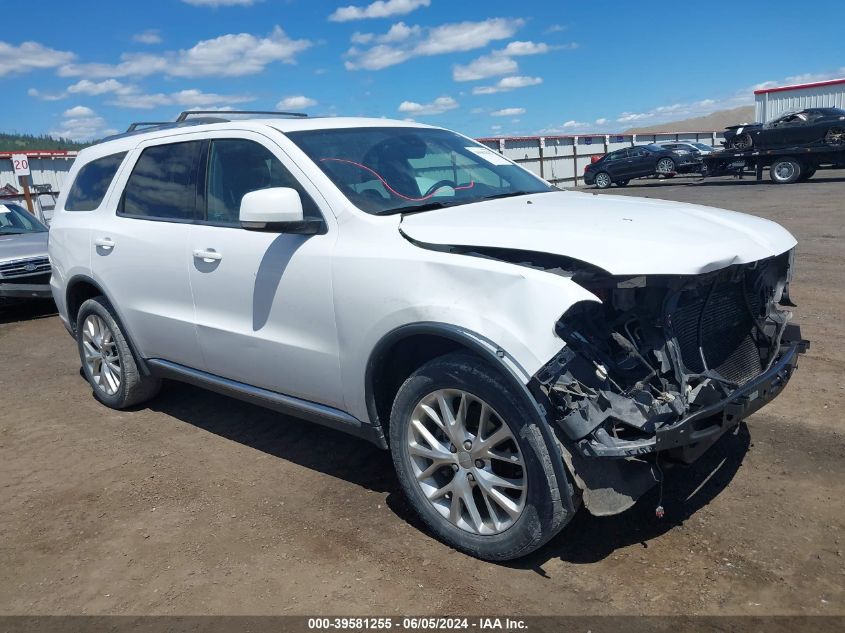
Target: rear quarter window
{"points": [[92, 182]]}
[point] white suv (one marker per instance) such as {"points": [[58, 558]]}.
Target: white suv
{"points": [[521, 350]]}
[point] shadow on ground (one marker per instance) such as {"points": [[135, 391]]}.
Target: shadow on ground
{"points": [[586, 539], [26, 310]]}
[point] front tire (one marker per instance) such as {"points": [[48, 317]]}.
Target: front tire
{"points": [[603, 180], [472, 461], [785, 171], [665, 167], [107, 360]]}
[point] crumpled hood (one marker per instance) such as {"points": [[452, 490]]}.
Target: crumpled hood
{"points": [[622, 235], [23, 246]]}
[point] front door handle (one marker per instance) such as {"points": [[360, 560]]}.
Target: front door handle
{"points": [[106, 243], [207, 255]]}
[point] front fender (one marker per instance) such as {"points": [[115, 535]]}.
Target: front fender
{"points": [[510, 309]]}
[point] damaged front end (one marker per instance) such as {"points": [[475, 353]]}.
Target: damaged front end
{"points": [[667, 364]]}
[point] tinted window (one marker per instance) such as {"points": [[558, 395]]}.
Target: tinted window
{"points": [[238, 166], [636, 152], [617, 155], [92, 182], [163, 183]]}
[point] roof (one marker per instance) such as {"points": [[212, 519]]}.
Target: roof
{"points": [[132, 139], [815, 84]]}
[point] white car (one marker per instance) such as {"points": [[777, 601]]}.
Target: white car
{"points": [[520, 350]]}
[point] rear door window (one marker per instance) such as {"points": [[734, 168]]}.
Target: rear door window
{"points": [[92, 182], [163, 184]]}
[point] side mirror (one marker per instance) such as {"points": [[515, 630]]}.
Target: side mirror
{"points": [[279, 210]]}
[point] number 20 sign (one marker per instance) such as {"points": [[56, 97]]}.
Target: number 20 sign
{"points": [[21, 164]]}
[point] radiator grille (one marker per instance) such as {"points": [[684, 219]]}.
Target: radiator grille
{"points": [[723, 324], [22, 267]]}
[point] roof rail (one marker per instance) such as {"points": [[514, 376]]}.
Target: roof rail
{"points": [[184, 115]]}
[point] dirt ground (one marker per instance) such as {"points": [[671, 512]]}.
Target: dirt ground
{"points": [[199, 504]]}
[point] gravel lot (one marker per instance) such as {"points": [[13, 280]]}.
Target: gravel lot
{"points": [[201, 504]]}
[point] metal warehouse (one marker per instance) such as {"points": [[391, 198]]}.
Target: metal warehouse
{"points": [[774, 102]]}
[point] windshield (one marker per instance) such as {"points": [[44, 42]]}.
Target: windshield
{"points": [[702, 146], [14, 219], [385, 170]]}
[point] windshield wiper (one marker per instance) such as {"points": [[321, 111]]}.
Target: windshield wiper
{"points": [[509, 194], [13, 232], [417, 208]]}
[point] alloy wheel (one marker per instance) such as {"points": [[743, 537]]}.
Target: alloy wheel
{"points": [[602, 181], [467, 462], [665, 166], [101, 357]]}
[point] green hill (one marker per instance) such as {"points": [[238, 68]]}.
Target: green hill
{"points": [[22, 142]]}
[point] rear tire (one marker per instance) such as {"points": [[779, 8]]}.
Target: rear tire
{"points": [[603, 180], [107, 360], [807, 173], [785, 171], [505, 522]]}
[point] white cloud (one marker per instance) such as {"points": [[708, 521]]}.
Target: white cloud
{"points": [[499, 62], [378, 9], [81, 124], [601, 121], [508, 112], [30, 56], [219, 3], [518, 48], [506, 84], [421, 42], [484, 67], [438, 106], [189, 98], [555, 28], [225, 56], [93, 88], [78, 111], [150, 36], [296, 102]]}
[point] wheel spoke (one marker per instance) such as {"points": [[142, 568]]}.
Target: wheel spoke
{"points": [[494, 480], [472, 510], [470, 495]]}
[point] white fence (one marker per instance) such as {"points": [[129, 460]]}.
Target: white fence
{"points": [[561, 159]]}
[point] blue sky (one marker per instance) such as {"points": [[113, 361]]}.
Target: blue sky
{"points": [[483, 67]]}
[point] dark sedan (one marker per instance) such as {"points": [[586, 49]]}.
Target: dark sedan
{"points": [[621, 166], [813, 127]]}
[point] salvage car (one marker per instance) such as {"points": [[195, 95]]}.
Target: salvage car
{"points": [[811, 127], [520, 350], [24, 266], [620, 166]]}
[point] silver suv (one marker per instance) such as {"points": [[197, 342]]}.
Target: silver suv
{"points": [[519, 349]]}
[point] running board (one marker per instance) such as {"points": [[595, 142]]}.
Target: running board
{"points": [[289, 405]]}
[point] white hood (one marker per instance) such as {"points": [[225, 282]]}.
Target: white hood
{"points": [[622, 235]]}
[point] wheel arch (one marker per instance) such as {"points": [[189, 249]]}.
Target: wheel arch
{"points": [[78, 290]]}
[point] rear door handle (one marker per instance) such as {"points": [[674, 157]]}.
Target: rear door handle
{"points": [[207, 255], [104, 242]]}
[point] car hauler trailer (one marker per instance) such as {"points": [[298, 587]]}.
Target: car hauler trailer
{"points": [[786, 165]]}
